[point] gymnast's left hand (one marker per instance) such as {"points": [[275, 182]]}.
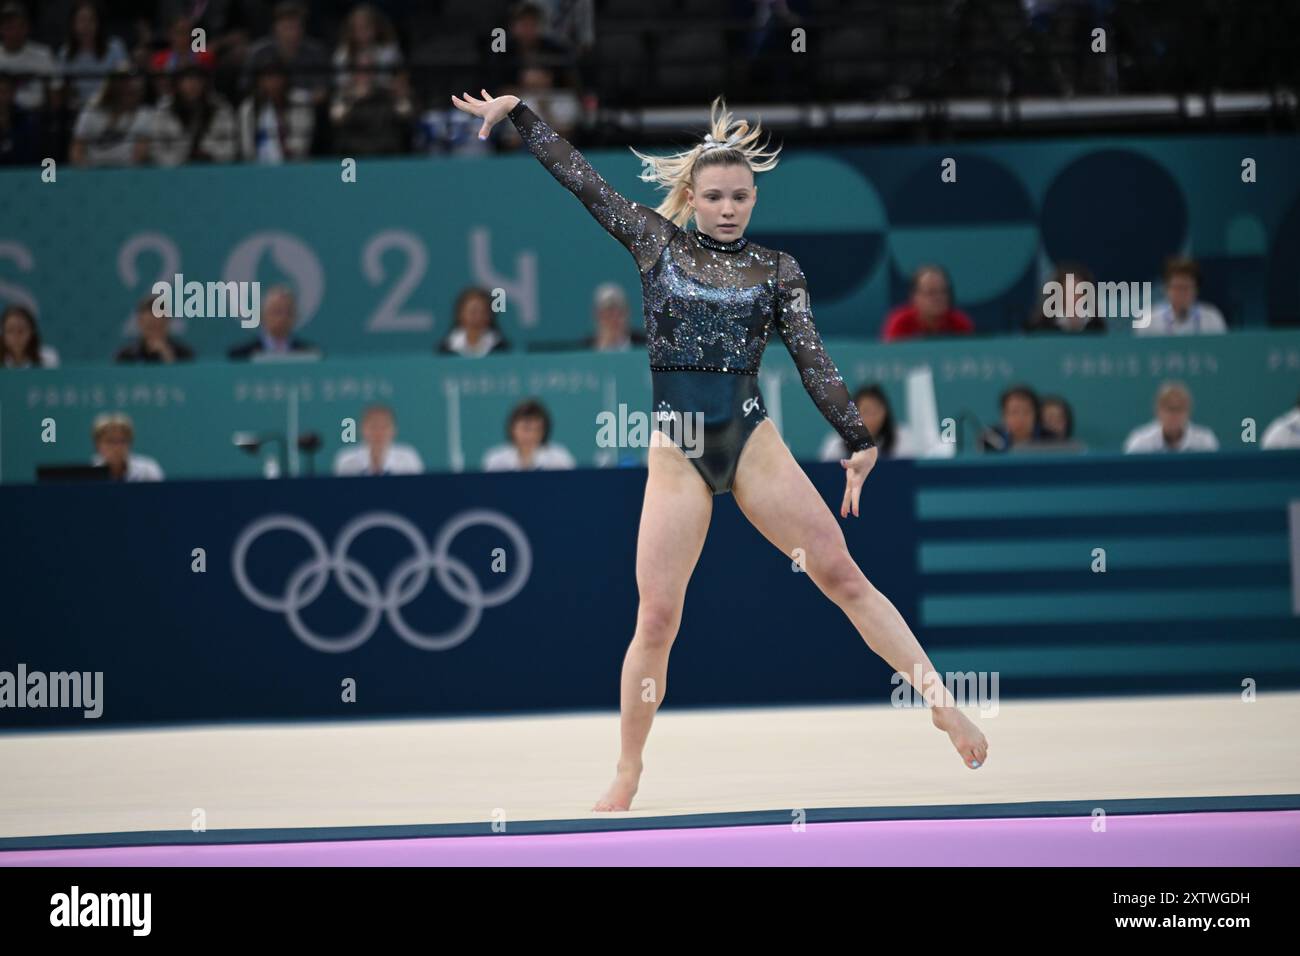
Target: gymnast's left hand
{"points": [[857, 468], [491, 108]]}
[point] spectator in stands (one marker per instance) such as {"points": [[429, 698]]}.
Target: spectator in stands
{"points": [[528, 45], [1284, 431], [540, 68], [20, 133], [195, 125], [570, 23], [1052, 38], [114, 128], [475, 332], [559, 107], [305, 59], [21, 345], [529, 449], [892, 438], [114, 434], [231, 26], [612, 331], [178, 55], [89, 54], [772, 19], [930, 311], [767, 37], [367, 32], [20, 56], [378, 454], [1173, 429], [1020, 416], [370, 119], [140, 44], [1055, 418], [372, 99], [1181, 313], [277, 121], [1076, 314], [279, 317], [155, 343]]}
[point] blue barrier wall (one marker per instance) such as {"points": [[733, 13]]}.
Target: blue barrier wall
{"points": [[990, 562]]}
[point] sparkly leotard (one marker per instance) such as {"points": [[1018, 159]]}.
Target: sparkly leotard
{"points": [[709, 308]]}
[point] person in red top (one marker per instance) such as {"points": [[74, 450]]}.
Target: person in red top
{"points": [[930, 311], [180, 50]]}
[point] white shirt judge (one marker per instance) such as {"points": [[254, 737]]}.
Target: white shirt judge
{"points": [[378, 453], [546, 457], [1172, 429], [1151, 437], [1284, 432], [1200, 319], [396, 460]]}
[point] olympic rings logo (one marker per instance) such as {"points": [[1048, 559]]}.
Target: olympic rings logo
{"points": [[407, 580]]}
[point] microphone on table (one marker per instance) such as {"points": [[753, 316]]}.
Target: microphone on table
{"points": [[253, 443]]}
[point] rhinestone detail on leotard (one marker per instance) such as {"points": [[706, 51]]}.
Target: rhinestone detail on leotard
{"points": [[701, 368], [717, 245]]}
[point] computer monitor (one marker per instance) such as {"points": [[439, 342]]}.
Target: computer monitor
{"points": [[46, 473]]}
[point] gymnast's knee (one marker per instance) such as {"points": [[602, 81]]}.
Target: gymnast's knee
{"points": [[840, 578], [657, 622]]}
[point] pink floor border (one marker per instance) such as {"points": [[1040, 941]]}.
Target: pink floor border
{"points": [[1236, 838]]}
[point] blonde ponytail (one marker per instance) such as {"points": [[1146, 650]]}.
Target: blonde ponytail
{"points": [[723, 146]]}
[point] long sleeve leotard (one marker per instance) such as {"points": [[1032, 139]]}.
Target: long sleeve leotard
{"points": [[709, 305]]}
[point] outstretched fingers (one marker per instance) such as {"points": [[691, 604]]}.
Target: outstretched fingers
{"points": [[852, 489], [477, 107]]}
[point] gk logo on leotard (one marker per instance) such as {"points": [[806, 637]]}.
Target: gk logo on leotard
{"points": [[750, 405], [408, 579]]}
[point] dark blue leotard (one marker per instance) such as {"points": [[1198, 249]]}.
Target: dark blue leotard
{"points": [[709, 308]]}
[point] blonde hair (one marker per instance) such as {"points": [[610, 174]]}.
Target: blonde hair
{"points": [[676, 173]]}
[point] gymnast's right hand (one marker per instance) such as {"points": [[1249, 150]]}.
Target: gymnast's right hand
{"points": [[492, 108]]}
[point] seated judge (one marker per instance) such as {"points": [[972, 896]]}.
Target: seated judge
{"points": [[275, 336]]}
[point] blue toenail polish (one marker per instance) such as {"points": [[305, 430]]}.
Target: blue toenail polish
{"points": [[974, 763]]}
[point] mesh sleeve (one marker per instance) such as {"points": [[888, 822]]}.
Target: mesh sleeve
{"points": [[639, 228], [821, 379]]}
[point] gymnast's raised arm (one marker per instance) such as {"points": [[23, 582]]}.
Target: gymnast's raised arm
{"points": [[639, 228]]}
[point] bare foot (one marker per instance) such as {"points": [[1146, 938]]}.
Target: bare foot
{"points": [[965, 736], [622, 790]]}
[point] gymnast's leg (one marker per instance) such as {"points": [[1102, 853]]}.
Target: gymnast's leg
{"points": [[782, 503], [674, 521]]}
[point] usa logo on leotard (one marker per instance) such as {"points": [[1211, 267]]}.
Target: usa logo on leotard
{"points": [[407, 580]]}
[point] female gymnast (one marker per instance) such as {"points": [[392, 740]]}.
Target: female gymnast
{"points": [[712, 297]]}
